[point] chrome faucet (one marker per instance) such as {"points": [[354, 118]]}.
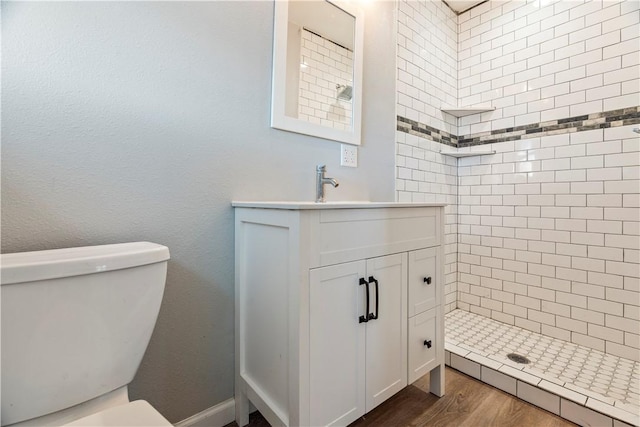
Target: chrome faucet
{"points": [[321, 181]]}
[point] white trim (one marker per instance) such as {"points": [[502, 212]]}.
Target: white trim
{"points": [[216, 416]]}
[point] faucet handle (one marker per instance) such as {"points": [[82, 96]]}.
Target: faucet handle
{"points": [[321, 168]]}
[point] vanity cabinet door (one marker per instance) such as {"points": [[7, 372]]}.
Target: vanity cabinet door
{"points": [[424, 280], [387, 331], [337, 344], [358, 351]]}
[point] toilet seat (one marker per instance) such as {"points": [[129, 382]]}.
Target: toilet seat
{"points": [[133, 414]]}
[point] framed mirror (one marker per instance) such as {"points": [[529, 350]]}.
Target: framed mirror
{"points": [[317, 69]]}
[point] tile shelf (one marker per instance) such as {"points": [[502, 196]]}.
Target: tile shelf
{"points": [[460, 154], [467, 111]]}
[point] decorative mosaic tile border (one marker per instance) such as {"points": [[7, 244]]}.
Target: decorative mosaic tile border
{"points": [[550, 384], [607, 119], [425, 131]]}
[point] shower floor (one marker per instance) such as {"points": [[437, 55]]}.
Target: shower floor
{"points": [[588, 377]]}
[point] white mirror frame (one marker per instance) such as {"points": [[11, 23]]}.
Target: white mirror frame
{"points": [[279, 119]]}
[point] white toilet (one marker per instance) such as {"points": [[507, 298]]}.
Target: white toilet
{"points": [[75, 325]]}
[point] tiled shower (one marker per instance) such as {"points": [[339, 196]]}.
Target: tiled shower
{"points": [[542, 232]]}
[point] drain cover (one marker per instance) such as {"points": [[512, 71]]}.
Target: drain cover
{"points": [[517, 358]]}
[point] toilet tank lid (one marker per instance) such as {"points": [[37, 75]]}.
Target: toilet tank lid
{"points": [[56, 263]]}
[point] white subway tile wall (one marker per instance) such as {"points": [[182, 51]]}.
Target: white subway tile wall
{"points": [[549, 252], [546, 59], [427, 79], [324, 66], [425, 175], [547, 230], [427, 63]]}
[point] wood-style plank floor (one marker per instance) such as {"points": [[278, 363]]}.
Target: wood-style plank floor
{"points": [[467, 402]]}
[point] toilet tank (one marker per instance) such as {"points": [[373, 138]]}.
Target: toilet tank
{"points": [[75, 323]]}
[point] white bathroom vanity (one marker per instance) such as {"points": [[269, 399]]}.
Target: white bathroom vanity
{"points": [[338, 307]]}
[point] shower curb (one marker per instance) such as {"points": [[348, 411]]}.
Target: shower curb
{"points": [[577, 405]]}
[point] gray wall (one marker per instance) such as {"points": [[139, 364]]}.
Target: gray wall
{"points": [[142, 121]]}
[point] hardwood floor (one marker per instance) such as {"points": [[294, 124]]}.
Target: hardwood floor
{"points": [[467, 402]]}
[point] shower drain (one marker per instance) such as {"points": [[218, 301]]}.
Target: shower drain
{"points": [[517, 358]]}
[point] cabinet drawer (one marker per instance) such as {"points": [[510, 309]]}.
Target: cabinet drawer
{"points": [[340, 235], [424, 280], [423, 343]]}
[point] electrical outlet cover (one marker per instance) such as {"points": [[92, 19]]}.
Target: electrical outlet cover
{"points": [[349, 155]]}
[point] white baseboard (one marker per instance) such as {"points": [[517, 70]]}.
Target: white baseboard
{"points": [[216, 416]]}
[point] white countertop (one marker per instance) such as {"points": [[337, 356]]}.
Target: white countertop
{"points": [[331, 205]]}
